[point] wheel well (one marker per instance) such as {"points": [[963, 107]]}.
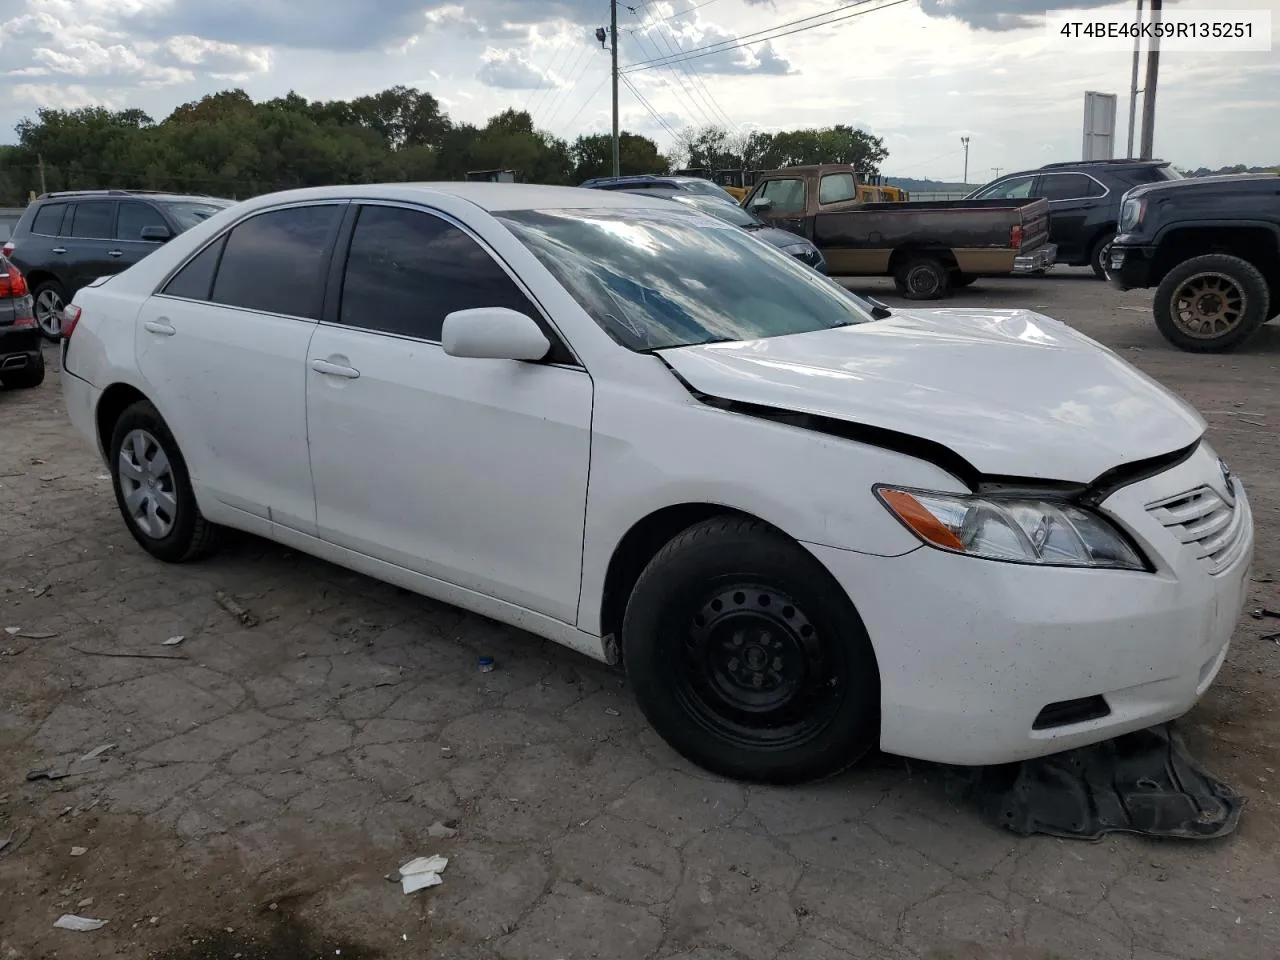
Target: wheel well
{"points": [[901, 255], [115, 400], [1255, 244], [639, 545], [37, 277]]}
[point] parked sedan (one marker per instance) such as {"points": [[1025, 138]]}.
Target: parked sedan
{"points": [[784, 240], [21, 362], [805, 529]]}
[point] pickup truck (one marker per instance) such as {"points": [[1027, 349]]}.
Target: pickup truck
{"points": [[928, 247], [1211, 248]]}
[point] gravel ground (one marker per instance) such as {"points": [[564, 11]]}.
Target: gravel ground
{"points": [[265, 779]]}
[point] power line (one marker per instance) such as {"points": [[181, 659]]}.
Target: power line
{"points": [[674, 16], [696, 81], [725, 46], [587, 102], [649, 107], [682, 92], [546, 76], [577, 69]]}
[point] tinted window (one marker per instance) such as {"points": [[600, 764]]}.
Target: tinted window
{"points": [[1008, 190], [728, 212], [195, 280], [1065, 186], [655, 279], [836, 188], [48, 221], [408, 270], [92, 220], [1153, 174], [785, 196], [189, 213], [273, 261], [706, 188], [133, 217]]}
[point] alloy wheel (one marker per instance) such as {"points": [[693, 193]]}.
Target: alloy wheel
{"points": [[1207, 305], [48, 308]]}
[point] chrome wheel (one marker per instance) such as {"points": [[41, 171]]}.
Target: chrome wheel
{"points": [[147, 484], [48, 309], [1207, 305]]}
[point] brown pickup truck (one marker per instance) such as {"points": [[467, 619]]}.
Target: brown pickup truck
{"points": [[929, 247]]}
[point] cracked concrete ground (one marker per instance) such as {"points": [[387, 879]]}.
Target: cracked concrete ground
{"points": [[264, 780]]}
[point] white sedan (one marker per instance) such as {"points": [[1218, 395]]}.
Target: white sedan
{"points": [[805, 524]]}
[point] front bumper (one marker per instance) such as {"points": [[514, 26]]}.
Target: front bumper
{"points": [[1129, 268], [972, 652], [1033, 261]]}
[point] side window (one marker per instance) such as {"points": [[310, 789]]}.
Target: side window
{"points": [[48, 219], [92, 220], [1014, 189], [1065, 186], [786, 196], [407, 270], [195, 280], [133, 216], [836, 188], [1095, 189], [273, 262]]}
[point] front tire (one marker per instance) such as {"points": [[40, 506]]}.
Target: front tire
{"points": [[1212, 303], [923, 278], [748, 658], [49, 298], [28, 378], [1100, 254], [153, 488]]}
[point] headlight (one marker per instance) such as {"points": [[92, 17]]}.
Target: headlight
{"points": [[799, 249], [1016, 530], [1131, 214]]}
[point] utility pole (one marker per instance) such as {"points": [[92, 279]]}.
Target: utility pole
{"points": [[1133, 82], [609, 38], [965, 141], [1149, 89], [997, 171], [40, 159]]}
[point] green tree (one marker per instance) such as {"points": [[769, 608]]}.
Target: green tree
{"points": [[593, 156]]}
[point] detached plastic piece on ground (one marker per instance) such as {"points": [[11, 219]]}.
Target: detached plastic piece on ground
{"points": [[1144, 783]]}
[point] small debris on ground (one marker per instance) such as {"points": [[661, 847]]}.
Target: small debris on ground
{"points": [[13, 631], [486, 665], [173, 641], [422, 872], [233, 607], [610, 711], [40, 591], [69, 921], [96, 752], [441, 831], [13, 840], [1264, 612], [86, 902], [79, 851]]}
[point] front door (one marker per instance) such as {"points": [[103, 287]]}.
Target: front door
{"points": [[89, 238], [781, 202], [223, 348], [132, 218], [1072, 197], [473, 472]]}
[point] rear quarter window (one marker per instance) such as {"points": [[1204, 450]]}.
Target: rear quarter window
{"points": [[48, 219]]}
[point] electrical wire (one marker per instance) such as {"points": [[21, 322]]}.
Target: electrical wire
{"points": [[649, 107], [686, 97], [725, 46], [695, 80], [587, 102]]}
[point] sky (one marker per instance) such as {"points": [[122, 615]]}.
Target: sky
{"points": [[918, 73]]}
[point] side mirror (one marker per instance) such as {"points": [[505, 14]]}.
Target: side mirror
{"points": [[761, 203], [493, 333], [156, 234]]}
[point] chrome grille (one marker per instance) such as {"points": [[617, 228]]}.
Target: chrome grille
{"points": [[1205, 523]]}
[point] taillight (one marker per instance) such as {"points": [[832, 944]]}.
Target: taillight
{"points": [[70, 317], [1015, 236], [7, 249], [12, 283]]}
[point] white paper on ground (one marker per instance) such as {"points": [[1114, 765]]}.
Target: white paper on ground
{"points": [[80, 924], [422, 872]]}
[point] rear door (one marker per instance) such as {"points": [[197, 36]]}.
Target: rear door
{"points": [[89, 239], [131, 219], [223, 348], [1072, 199]]}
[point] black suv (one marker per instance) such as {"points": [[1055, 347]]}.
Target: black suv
{"points": [[1084, 201], [66, 240]]}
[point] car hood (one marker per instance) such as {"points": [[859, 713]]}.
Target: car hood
{"points": [[1014, 393], [779, 238], [1192, 186]]}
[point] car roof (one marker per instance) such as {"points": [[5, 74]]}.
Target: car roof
{"points": [[131, 194], [492, 197], [1084, 166]]}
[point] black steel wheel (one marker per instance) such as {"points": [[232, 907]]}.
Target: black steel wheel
{"points": [[922, 278], [748, 658], [1211, 303]]}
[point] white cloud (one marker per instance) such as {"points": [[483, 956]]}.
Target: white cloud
{"points": [[509, 70]]}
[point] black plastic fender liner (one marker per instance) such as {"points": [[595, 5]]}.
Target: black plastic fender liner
{"points": [[1145, 783]]}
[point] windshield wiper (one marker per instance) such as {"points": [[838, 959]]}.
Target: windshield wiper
{"points": [[879, 311]]}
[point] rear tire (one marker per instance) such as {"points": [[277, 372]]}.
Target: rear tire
{"points": [[748, 658], [153, 488], [1212, 303], [1100, 254], [923, 278], [28, 378], [49, 298]]}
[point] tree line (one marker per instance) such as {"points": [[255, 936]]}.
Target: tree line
{"points": [[226, 144]]}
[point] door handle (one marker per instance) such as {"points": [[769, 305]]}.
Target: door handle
{"points": [[115, 253], [335, 369], [160, 327], [59, 249]]}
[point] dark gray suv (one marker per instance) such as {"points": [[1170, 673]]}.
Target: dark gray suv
{"points": [[66, 240]]}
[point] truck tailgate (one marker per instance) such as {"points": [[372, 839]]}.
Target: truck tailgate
{"points": [[1035, 222]]}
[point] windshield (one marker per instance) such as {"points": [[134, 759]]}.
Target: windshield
{"points": [[705, 188], [188, 213], [728, 212], [654, 279]]}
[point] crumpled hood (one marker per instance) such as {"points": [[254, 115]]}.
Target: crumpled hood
{"points": [[1015, 393]]}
